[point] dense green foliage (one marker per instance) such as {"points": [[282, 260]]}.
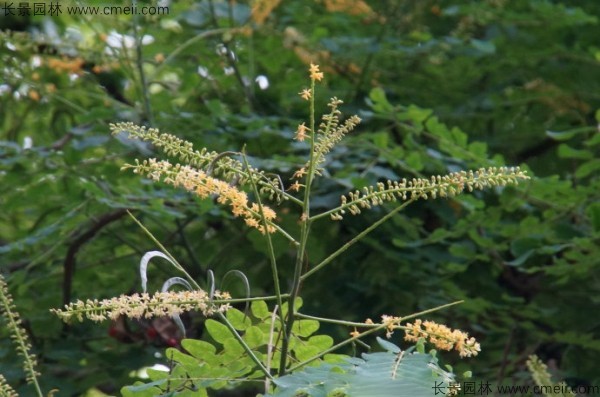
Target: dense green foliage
{"points": [[440, 87]]}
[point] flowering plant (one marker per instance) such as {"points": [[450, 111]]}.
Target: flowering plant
{"points": [[273, 345]]}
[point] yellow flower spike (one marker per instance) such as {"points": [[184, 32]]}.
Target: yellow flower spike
{"points": [[306, 94], [143, 306], [442, 337], [301, 133], [296, 186], [315, 74]]}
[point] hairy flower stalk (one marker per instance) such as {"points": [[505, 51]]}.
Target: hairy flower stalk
{"points": [[203, 185], [420, 188], [329, 133], [144, 305], [215, 164], [442, 337], [5, 389], [19, 337], [541, 377]]}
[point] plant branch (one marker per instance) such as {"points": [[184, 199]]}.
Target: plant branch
{"points": [[373, 328], [164, 250], [245, 346], [304, 232], [354, 240], [139, 61], [267, 235]]}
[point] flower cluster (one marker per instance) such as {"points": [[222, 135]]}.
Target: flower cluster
{"points": [[442, 337], [541, 377], [315, 73], [330, 132], [203, 185], [5, 389], [301, 132], [420, 188], [217, 164], [390, 323], [18, 334], [143, 305]]}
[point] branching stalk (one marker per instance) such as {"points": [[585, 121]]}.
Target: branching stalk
{"points": [[164, 250], [272, 258], [245, 346], [354, 240]]}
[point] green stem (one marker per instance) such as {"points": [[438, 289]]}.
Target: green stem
{"points": [[18, 335], [185, 45], [267, 235], [373, 328], [257, 298], [165, 251], [374, 325], [374, 194], [140, 67], [335, 347], [245, 346], [354, 240], [304, 232]]}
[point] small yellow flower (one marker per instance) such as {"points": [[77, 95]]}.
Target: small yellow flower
{"points": [[296, 187], [299, 174], [355, 333], [301, 133], [143, 306], [306, 94], [315, 74], [442, 337]]}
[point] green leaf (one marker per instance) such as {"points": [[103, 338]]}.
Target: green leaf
{"points": [[219, 332], [232, 347], [587, 341], [305, 328], [523, 245], [321, 342], [587, 168], [180, 357], [155, 374], [306, 352], [593, 211], [567, 152], [389, 346], [414, 161], [521, 259], [566, 135], [418, 115], [382, 374], [297, 305], [380, 139], [198, 348], [139, 389], [238, 319], [260, 309], [594, 140], [379, 102], [254, 337]]}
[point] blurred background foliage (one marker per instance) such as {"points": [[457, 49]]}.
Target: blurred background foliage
{"points": [[441, 86]]}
